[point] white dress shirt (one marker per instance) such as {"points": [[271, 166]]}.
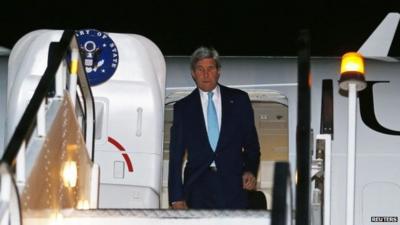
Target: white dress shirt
{"points": [[217, 102]]}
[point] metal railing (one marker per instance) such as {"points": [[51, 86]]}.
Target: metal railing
{"points": [[50, 81], [64, 74]]}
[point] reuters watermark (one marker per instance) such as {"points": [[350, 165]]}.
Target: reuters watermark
{"points": [[384, 219]]}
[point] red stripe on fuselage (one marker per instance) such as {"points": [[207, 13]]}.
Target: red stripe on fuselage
{"points": [[124, 154]]}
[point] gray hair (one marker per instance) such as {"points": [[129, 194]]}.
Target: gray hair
{"points": [[204, 53]]}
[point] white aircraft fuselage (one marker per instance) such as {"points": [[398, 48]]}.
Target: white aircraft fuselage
{"points": [[377, 188]]}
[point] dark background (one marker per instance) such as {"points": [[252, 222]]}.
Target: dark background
{"points": [[235, 27]]}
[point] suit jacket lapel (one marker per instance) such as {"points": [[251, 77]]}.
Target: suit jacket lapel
{"points": [[226, 115], [197, 114]]}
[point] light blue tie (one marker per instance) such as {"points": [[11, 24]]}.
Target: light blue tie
{"points": [[212, 122]]}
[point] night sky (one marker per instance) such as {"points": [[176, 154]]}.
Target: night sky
{"points": [[235, 27]]}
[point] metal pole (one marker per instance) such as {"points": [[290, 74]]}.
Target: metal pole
{"points": [[74, 74], [327, 180], [351, 155]]}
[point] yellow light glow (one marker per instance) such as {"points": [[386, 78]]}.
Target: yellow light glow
{"points": [[72, 147], [70, 174], [83, 204], [56, 218], [74, 66], [352, 62]]}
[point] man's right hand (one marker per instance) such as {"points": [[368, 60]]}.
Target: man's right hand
{"points": [[179, 205]]}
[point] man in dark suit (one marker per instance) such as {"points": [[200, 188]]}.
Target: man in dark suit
{"points": [[214, 126]]}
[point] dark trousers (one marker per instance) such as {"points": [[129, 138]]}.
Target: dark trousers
{"points": [[257, 200], [208, 193]]}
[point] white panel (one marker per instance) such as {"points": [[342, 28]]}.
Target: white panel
{"points": [[119, 169], [3, 99], [127, 196]]}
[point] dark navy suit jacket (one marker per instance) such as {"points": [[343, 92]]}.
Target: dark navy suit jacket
{"points": [[237, 150]]}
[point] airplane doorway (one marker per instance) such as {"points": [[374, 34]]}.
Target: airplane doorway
{"points": [[271, 120]]}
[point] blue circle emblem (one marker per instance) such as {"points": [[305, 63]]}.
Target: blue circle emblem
{"points": [[99, 54]]}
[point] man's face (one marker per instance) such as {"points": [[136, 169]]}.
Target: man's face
{"points": [[206, 74]]}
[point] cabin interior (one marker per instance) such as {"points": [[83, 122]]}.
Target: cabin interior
{"points": [[271, 120]]}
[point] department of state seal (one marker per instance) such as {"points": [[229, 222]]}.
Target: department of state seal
{"points": [[99, 54]]}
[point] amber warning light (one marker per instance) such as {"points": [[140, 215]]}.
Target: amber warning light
{"points": [[352, 70]]}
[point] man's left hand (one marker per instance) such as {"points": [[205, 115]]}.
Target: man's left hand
{"points": [[249, 181]]}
